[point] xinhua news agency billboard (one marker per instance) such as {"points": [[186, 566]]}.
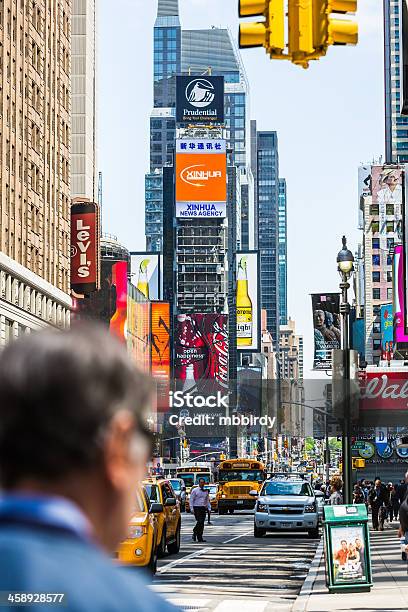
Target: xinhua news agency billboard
{"points": [[247, 299], [200, 100], [201, 179]]}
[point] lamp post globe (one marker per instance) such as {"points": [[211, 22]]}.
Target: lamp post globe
{"points": [[345, 261]]}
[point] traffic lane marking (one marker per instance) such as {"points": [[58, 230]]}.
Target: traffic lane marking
{"points": [[237, 537], [193, 555]]}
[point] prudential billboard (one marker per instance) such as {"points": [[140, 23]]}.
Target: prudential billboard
{"points": [[200, 99], [201, 179]]}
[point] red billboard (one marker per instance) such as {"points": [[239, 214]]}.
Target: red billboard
{"points": [[160, 346], [201, 345], [384, 390], [84, 247]]}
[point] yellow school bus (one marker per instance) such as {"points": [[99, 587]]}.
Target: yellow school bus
{"points": [[236, 478], [191, 474]]}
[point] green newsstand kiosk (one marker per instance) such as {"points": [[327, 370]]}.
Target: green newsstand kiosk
{"points": [[347, 548]]}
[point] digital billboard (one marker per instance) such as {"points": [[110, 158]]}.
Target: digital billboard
{"points": [[145, 271], [386, 189], [201, 351], [138, 330], [109, 304], [247, 301], [84, 247], [201, 178], [160, 352], [387, 332], [399, 305], [326, 322], [200, 99]]}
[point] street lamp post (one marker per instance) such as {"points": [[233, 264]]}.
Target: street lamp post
{"points": [[345, 267]]}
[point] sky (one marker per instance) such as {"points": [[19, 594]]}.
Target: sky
{"points": [[329, 119]]}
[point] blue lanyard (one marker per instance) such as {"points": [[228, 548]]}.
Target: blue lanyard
{"points": [[51, 512]]}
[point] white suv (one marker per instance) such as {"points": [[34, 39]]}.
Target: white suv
{"points": [[286, 504]]}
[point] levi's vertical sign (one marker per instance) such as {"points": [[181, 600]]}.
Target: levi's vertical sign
{"points": [[84, 247], [200, 100]]}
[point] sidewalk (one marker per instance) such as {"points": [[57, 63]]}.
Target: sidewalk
{"points": [[390, 578]]}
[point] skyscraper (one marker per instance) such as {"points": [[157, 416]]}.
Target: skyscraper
{"points": [[268, 216], [35, 166], [283, 254], [166, 64], [396, 125], [179, 51], [83, 91]]}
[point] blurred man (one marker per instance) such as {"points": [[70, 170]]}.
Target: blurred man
{"points": [[73, 446]]}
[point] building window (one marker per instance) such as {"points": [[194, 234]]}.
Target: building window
{"points": [[376, 345], [376, 294], [375, 242], [376, 277], [374, 209], [389, 293], [376, 260]]}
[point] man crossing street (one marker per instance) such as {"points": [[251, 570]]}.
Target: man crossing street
{"points": [[199, 504]]}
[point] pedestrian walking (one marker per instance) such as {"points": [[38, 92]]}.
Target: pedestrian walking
{"points": [[378, 500], [336, 498], [358, 495], [394, 503], [199, 504], [74, 443]]}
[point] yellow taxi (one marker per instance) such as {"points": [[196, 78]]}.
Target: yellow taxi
{"points": [[140, 547], [160, 491], [212, 488]]}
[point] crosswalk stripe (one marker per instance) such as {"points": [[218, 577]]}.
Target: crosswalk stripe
{"points": [[189, 604], [232, 605]]}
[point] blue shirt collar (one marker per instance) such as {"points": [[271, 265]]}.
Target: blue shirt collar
{"points": [[45, 511]]}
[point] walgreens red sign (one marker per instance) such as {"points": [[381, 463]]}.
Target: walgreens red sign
{"points": [[384, 391], [84, 247]]}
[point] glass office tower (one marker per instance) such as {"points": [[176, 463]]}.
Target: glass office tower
{"points": [[268, 216], [396, 125], [283, 253], [195, 52]]}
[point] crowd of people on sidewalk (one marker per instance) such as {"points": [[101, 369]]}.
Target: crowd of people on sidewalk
{"points": [[384, 501]]}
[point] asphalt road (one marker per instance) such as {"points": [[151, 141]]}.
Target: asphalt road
{"points": [[233, 571]]}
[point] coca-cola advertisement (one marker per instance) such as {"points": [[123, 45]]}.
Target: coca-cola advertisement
{"points": [[201, 351]]}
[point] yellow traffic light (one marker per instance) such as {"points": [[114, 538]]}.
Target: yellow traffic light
{"points": [[357, 464], [300, 13], [185, 443], [328, 30], [269, 33]]}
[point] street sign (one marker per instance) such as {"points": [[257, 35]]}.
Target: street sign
{"points": [[358, 444]]}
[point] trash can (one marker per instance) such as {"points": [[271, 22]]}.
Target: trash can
{"points": [[347, 548]]}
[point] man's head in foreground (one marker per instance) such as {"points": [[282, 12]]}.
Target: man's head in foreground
{"points": [[73, 424]]}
